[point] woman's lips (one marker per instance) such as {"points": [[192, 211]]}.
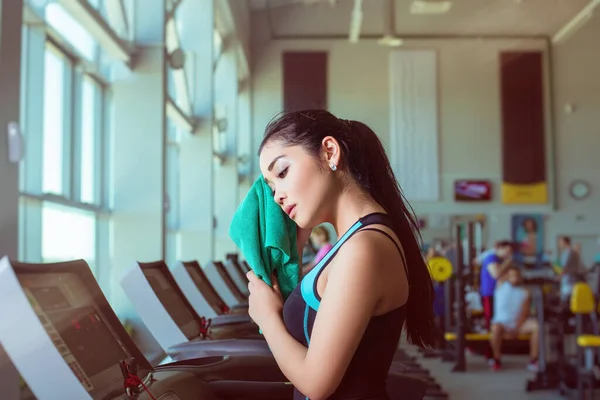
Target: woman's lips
{"points": [[289, 210]]}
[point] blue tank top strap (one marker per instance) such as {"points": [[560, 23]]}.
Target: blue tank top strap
{"points": [[308, 286]]}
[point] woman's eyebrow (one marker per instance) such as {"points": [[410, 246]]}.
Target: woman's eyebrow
{"points": [[270, 167]]}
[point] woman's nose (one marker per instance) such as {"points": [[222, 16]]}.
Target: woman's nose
{"points": [[279, 197]]}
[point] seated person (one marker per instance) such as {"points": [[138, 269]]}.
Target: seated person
{"points": [[511, 316], [493, 265]]}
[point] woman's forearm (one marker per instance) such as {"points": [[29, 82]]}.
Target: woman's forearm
{"points": [[289, 354]]}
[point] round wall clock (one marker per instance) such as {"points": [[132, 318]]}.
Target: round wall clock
{"points": [[579, 189]]}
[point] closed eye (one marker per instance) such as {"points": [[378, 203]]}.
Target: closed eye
{"points": [[283, 173]]}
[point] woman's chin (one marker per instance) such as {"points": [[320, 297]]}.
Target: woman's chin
{"points": [[302, 223]]}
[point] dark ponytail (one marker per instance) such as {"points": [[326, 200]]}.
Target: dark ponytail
{"points": [[364, 157]]}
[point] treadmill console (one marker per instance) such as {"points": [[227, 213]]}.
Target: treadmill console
{"points": [[172, 301], [205, 287], [78, 328]]}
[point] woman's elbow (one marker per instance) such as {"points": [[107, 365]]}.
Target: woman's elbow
{"points": [[320, 388], [318, 394]]}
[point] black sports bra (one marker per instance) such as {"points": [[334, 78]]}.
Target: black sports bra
{"points": [[367, 372]]}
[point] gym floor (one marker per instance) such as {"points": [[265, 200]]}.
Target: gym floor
{"points": [[481, 383]]}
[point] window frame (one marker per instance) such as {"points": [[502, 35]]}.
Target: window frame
{"points": [[37, 40]]}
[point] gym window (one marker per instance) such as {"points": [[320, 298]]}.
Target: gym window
{"points": [[172, 247], [64, 196]]}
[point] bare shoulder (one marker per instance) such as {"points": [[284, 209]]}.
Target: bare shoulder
{"points": [[368, 252]]}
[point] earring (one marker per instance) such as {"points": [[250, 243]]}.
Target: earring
{"points": [[333, 167]]}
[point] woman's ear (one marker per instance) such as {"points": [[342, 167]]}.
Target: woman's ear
{"points": [[331, 151]]}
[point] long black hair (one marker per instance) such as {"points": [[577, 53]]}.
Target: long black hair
{"points": [[364, 157]]}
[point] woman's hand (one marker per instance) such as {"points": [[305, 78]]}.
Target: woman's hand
{"points": [[264, 302]]}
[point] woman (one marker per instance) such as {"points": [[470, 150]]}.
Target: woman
{"points": [[320, 238], [336, 334]]}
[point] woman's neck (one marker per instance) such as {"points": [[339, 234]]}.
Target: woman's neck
{"points": [[351, 206]]}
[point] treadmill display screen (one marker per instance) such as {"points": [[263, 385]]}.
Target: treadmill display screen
{"points": [[77, 328], [89, 339], [172, 302], [50, 298]]}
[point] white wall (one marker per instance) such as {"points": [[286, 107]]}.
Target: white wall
{"points": [[577, 63], [196, 164], [137, 219], [469, 101], [225, 190]]}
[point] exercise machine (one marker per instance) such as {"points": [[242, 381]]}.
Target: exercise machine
{"points": [[587, 335], [224, 284], [458, 329], [203, 297], [174, 323], [81, 350], [193, 270], [234, 270]]}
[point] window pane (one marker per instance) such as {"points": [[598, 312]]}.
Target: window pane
{"points": [[54, 73], [72, 30], [217, 44], [88, 141], [170, 83], [173, 186], [173, 248], [67, 234], [173, 133]]}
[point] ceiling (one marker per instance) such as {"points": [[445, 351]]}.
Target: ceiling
{"points": [[466, 17]]}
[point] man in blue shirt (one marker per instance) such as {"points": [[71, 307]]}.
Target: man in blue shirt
{"points": [[493, 265]]}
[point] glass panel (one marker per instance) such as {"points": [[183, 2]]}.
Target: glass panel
{"points": [[217, 44], [173, 252], [173, 186], [173, 133], [67, 234], [54, 74], [171, 84], [116, 15], [88, 140], [171, 35], [71, 30]]}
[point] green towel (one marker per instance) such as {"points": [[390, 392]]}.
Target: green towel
{"points": [[266, 236]]}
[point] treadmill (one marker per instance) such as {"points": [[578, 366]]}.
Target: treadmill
{"points": [[217, 275], [234, 270], [168, 288], [174, 323], [245, 266], [62, 335], [202, 295], [185, 341]]}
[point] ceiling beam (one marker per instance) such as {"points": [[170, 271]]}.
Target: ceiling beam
{"points": [[571, 27]]}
